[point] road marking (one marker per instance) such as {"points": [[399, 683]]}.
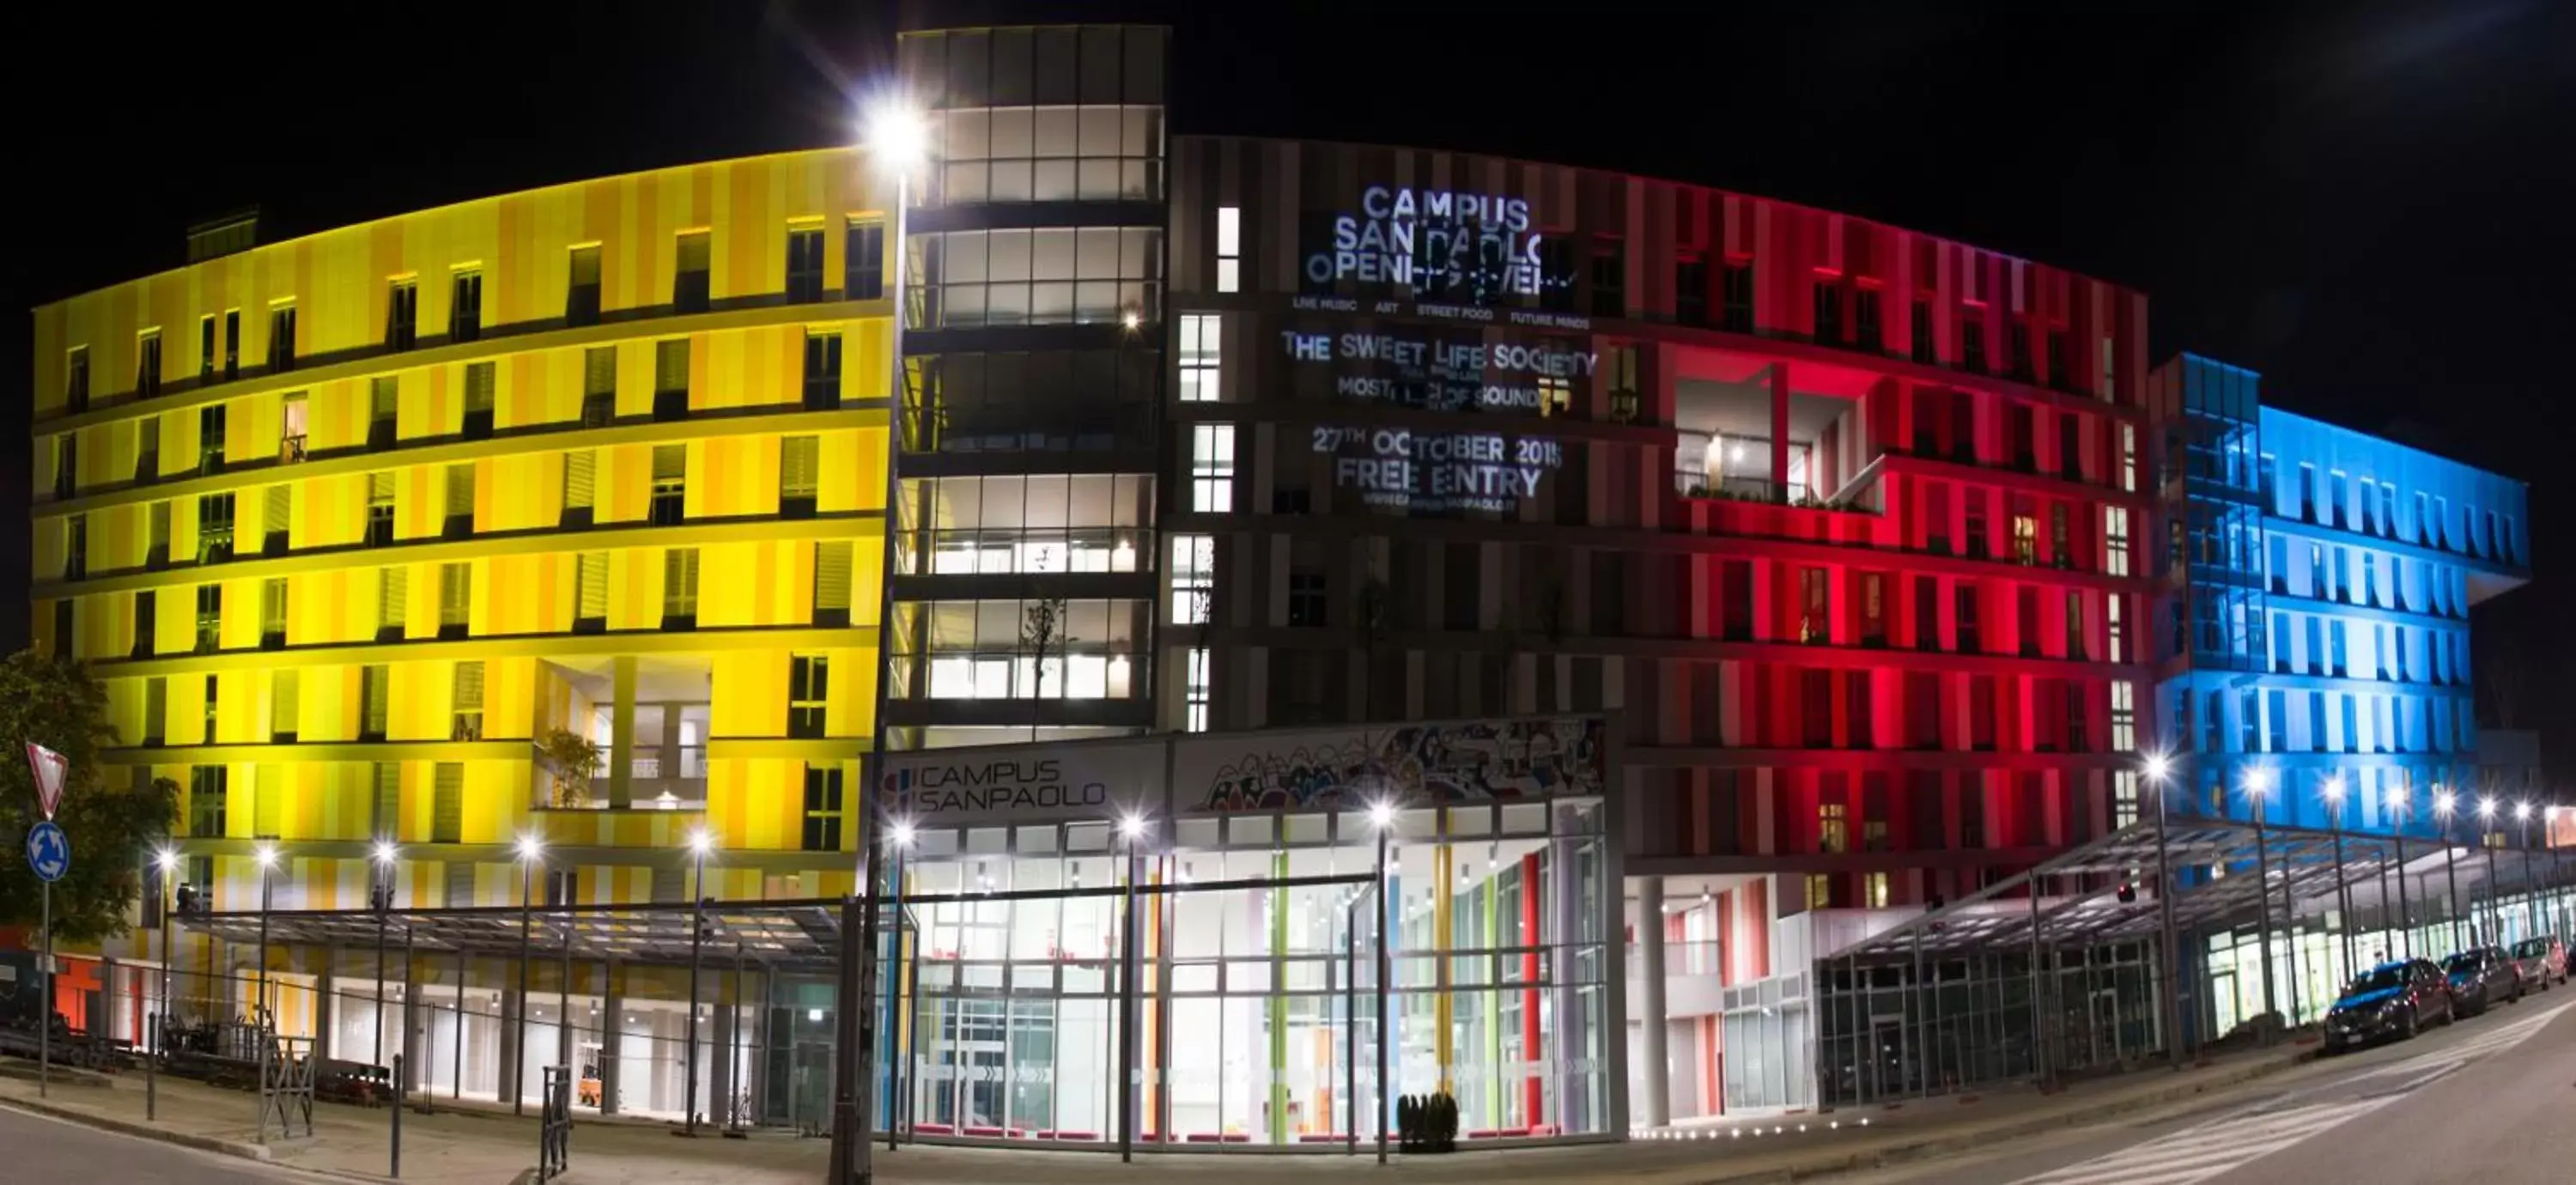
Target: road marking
{"points": [[2200, 1153]]}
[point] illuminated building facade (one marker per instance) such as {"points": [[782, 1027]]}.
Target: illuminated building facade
{"points": [[348, 525]]}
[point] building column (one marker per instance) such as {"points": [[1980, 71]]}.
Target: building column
{"points": [[326, 1006], [505, 1085], [612, 1024], [719, 1060], [1655, 1104], [1780, 431], [621, 736]]}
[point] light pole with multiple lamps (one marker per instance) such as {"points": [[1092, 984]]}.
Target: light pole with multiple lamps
{"points": [[2445, 804], [2258, 782], [2159, 771]]}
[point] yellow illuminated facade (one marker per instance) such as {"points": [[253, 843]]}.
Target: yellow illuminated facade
{"points": [[349, 524]]}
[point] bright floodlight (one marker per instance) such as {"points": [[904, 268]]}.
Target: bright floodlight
{"points": [[1130, 320], [897, 137], [2258, 779], [701, 841], [2486, 807], [384, 851], [1131, 826], [530, 847], [1381, 814], [266, 854], [2158, 765], [2443, 801], [901, 833], [2334, 789], [168, 858], [2522, 811]]}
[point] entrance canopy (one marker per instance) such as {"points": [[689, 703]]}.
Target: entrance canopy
{"points": [[2080, 891]]}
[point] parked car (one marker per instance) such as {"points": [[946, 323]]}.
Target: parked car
{"points": [[2393, 999], [2481, 977], [2543, 961]]}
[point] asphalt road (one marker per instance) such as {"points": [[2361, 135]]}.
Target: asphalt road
{"points": [[35, 1149], [2490, 1100]]}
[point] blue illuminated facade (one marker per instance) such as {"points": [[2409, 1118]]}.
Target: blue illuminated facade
{"points": [[2318, 585]]}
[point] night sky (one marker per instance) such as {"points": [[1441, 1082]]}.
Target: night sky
{"points": [[2374, 205]]}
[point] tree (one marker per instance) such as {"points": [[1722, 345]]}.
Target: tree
{"points": [[1041, 627], [113, 829], [576, 760]]}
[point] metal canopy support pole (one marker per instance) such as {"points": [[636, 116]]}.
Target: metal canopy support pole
{"points": [[2168, 883], [2343, 891], [515, 1020], [410, 1015], [2290, 936], [456, 1083], [563, 996], [1924, 1055], [2451, 879], [1385, 995], [2038, 1032], [895, 998], [1351, 1027], [697, 943], [2263, 910], [735, 1089], [2405, 903], [851, 1083], [258, 1007], [1130, 1081]]}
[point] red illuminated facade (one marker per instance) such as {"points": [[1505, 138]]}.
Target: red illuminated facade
{"points": [[1841, 520]]}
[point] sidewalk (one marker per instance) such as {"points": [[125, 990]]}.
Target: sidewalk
{"points": [[488, 1149]]}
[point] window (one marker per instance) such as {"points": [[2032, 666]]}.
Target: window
{"points": [[809, 680], [211, 705], [210, 618], [581, 291], [375, 687], [832, 582], [76, 379], [2025, 539], [1866, 333], [147, 449], [1874, 890], [822, 370], [670, 484], [1816, 708], [402, 314], [460, 500], [598, 386], [1193, 578], [208, 797], [1202, 356], [291, 422], [384, 411], [1829, 312], [680, 588], [156, 711], [147, 364], [210, 438], [1229, 249], [804, 263], [447, 811], [863, 261], [1609, 279], [671, 378], [2115, 540], [1690, 291], [1972, 342], [455, 599], [1212, 468], [465, 305], [75, 547], [285, 706], [466, 703], [380, 508], [2075, 625], [2060, 552], [1814, 623], [272, 613], [214, 528], [1306, 598], [1965, 600], [281, 338], [156, 552], [689, 272], [1978, 546], [1873, 609], [2117, 629], [2110, 388], [2017, 347], [1820, 890], [146, 623], [2124, 796], [1194, 690], [66, 637], [590, 593], [1046, 276], [385, 820], [479, 399], [1737, 297], [66, 465], [800, 460], [1832, 834], [822, 809]]}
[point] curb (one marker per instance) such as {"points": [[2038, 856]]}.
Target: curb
{"points": [[127, 1127], [1932, 1146]]}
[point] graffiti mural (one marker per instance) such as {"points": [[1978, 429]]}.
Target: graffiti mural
{"points": [[1418, 764]]}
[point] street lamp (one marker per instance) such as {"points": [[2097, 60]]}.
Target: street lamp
{"points": [[380, 895], [2397, 804], [263, 854], [1133, 827], [2530, 893], [167, 860], [2333, 790], [1381, 816], [2495, 907], [532, 852], [2443, 804], [2159, 772], [701, 842], [2258, 783], [899, 836]]}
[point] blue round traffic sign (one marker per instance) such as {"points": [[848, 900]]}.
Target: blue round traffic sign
{"points": [[49, 851]]}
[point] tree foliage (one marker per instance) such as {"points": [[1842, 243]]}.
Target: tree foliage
{"points": [[113, 827]]}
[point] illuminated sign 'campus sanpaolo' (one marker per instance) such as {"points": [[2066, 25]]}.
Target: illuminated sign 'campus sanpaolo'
{"points": [[1440, 243]]}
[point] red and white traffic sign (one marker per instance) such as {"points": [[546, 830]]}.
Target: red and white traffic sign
{"points": [[48, 767]]}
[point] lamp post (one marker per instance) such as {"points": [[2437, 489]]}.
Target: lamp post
{"points": [[2495, 907], [2258, 780], [2530, 893], [2443, 804], [700, 843], [2397, 805], [264, 855], [2159, 771], [2333, 789], [1131, 831], [167, 860], [532, 852], [1381, 815], [380, 896], [899, 836]]}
